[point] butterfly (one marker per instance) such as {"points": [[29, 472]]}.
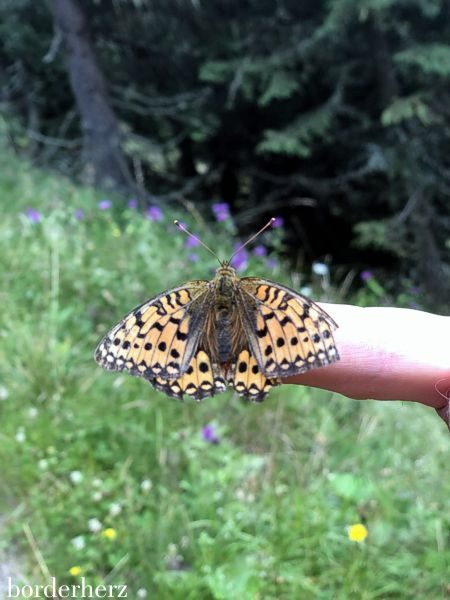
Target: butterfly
{"points": [[203, 336]]}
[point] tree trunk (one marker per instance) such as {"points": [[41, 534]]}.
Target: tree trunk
{"points": [[104, 159]]}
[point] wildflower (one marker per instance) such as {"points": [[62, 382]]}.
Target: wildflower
{"points": [[79, 214], [320, 269], [141, 593], [260, 250], [278, 223], [357, 533], [79, 542], [3, 393], [32, 412], [193, 257], [272, 263], [416, 290], [94, 525], [146, 485], [221, 211], [115, 509], [75, 571], [33, 215], [366, 275], [209, 434], [104, 204], [306, 290], [76, 477], [20, 435], [109, 534], [97, 482], [97, 496], [240, 260], [115, 232], [154, 213], [43, 464], [192, 242], [132, 203]]}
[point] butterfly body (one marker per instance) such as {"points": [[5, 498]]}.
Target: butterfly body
{"points": [[201, 337]]}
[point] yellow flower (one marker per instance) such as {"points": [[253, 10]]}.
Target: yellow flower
{"points": [[109, 533], [75, 571], [357, 532]]}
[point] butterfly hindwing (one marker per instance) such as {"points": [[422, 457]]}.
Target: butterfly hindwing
{"points": [[247, 379], [158, 338], [287, 333], [201, 380]]}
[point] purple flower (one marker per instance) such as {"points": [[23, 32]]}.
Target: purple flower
{"points": [[260, 250], [279, 222], [209, 434], [79, 214], [366, 275], [193, 257], [192, 242], [33, 215], [272, 263], [221, 211], [240, 260], [416, 290], [133, 203], [104, 204], [154, 213]]}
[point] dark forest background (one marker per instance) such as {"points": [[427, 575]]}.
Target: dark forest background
{"points": [[333, 115]]}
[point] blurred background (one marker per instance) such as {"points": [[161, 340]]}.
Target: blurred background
{"points": [[116, 118]]}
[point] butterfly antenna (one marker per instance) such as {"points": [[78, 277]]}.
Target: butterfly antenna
{"points": [[253, 237], [187, 232]]}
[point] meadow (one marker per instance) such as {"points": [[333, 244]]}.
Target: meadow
{"points": [[104, 478]]}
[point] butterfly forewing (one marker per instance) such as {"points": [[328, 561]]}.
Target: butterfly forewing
{"points": [[288, 334], [158, 338]]}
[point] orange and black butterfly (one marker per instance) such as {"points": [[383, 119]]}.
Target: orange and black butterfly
{"points": [[203, 336]]}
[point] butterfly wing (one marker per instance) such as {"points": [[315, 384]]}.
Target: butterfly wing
{"points": [[247, 379], [159, 338], [202, 379], [287, 333]]}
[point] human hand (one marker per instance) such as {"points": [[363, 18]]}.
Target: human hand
{"points": [[388, 354]]}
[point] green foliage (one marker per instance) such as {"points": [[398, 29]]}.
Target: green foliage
{"points": [[430, 59], [263, 513], [403, 109], [298, 138], [281, 85]]}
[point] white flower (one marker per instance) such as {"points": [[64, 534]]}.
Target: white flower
{"points": [[141, 593], [79, 542], [43, 464], [115, 509], [97, 496], [76, 477], [94, 525], [3, 392], [20, 435], [146, 485], [320, 269], [306, 290], [33, 412], [97, 483], [240, 494]]}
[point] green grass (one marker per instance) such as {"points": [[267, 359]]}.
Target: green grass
{"points": [[264, 513]]}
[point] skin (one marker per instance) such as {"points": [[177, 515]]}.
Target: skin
{"points": [[388, 354]]}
